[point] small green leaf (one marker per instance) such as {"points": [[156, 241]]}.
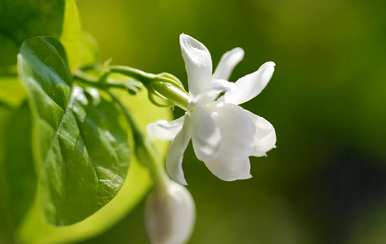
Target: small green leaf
{"points": [[22, 19], [81, 144]]}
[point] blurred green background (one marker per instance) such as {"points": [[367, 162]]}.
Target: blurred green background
{"points": [[326, 181]]}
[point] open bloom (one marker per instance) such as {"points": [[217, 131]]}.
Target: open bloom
{"points": [[223, 134], [169, 214]]}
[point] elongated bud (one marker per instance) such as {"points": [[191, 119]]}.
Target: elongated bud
{"points": [[169, 214]]}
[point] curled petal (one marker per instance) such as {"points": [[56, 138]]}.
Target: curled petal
{"points": [[228, 62], [265, 137], [249, 86], [198, 63], [165, 130], [176, 152]]}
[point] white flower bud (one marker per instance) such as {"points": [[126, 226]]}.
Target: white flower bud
{"points": [[169, 214]]}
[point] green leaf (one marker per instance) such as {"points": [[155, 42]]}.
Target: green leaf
{"points": [[22, 19], [81, 145], [36, 230]]}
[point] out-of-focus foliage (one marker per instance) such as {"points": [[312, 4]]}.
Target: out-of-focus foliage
{"points": [[20, 20], [81, 47], [18, 179], [326, 101]]}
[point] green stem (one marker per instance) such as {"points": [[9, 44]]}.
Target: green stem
{"points": [[162, 85], [143, 148], [86, 80], [137, 74]]}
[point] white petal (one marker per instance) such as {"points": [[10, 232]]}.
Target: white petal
{"points": [[237, 129], [176, 152], [265, 137], [169, 215], [227, 156], [228, 62], [249, 86], [206, 136], [198, 63], [222, 85], [165, 130], [230, 169]]}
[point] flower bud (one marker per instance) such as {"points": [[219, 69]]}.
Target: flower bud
{"points": [[169, 214]]}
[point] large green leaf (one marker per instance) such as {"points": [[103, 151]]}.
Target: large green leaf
{"points": [[35, 228], [81, 145], [22, 19]]}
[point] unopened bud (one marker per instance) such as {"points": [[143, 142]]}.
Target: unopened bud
{"points": [[169, 214]]}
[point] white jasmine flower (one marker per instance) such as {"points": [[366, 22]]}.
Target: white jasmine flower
{"points": [[223, 134], [169, 214]]}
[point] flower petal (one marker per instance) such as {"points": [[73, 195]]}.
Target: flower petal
{"points": [[230, 169], [265, 137], [206, 136], [228, 62], [176, 152], [225, 141], [165, 130], [222, 85], [237, 129], [198, 63], [249, 86]]}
